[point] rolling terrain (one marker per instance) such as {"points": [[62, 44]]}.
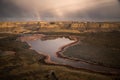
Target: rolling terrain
{"points": [[100, 45]]}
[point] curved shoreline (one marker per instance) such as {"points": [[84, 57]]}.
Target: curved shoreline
{"points": [[60, 54], [49, 62], [61, 49]]}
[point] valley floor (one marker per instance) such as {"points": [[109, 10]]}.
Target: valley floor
{"points": [[18, 62]]}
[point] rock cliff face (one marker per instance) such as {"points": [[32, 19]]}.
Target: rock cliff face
{"points": [[21, 27]]}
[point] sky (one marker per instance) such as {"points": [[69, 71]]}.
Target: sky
{"points": [[60, 10]]}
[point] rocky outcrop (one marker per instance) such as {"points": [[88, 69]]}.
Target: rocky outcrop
{"points": [[96, 26], [21, 27]]}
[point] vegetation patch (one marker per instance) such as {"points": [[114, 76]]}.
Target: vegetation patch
{"points": [[100, 48], [25, 65]]}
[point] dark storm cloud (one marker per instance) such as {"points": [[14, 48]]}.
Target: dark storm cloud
{"points": [[82, 10], [110, 12], [8, 9], [11, 12]]}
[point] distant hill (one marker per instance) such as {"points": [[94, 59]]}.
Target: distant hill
{"points": [[24, 27]]}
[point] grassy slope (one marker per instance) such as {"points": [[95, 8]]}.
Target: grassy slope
{"points": [[102, 48], [25, 65]]}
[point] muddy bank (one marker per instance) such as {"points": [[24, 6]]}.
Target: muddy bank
{"points": [[60, 54], [54, 57]]}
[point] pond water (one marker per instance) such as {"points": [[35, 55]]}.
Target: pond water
{"points": [[50, 47]]}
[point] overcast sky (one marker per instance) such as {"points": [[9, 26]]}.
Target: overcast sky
{"points": [[52, 10]]}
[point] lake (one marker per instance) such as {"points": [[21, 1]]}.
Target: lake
{"points": [[49, 47]]}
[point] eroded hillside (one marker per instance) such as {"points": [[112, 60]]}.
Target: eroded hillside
{"points": [[25, 27]]}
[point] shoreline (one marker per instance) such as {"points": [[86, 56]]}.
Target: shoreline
{"points": [[46, 59], [60, 54]]}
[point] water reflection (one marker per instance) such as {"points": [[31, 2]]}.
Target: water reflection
{"points": [[50, 47]]}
